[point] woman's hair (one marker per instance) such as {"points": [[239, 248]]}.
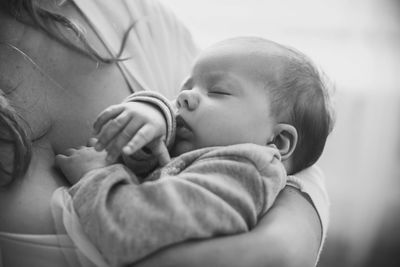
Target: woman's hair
{"points": [[15, 142], [52, 23]]}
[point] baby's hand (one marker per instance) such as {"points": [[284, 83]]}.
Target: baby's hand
{"points": [[130, 126], [77, 162]]}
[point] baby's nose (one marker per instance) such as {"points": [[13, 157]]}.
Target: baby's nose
{"points": [[188, 99]]}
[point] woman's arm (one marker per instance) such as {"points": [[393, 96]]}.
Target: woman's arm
{"points": [[288, 235]]}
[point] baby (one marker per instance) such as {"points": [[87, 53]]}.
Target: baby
{"points": [[250, 112]]}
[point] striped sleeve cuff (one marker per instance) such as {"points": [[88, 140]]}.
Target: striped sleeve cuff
{"points": [[164, 106]]}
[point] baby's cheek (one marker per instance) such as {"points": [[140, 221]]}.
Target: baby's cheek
{"points": [[180, 147]]}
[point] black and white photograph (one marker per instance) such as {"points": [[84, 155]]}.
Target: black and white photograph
{"points": [[175, 133]]}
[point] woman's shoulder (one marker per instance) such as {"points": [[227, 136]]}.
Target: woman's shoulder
{"points": [[311, 182]]}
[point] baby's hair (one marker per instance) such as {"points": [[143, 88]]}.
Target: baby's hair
{"points": [[302, 99], [300, 96]]}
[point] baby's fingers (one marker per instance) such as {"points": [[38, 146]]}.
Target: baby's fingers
{"points": [[160, 151], [111, 130], [116, 145], [142, 137], [106, 115]]}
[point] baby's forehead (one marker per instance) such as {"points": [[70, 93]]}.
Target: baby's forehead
{"points": [[266, 59], [253, 46], [260, 58], [260, 52]]}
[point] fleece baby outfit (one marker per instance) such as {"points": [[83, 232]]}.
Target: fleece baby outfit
{"points": [[200, 194]]}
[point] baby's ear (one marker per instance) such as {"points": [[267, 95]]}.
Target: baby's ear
{"points": [[285, 139]]}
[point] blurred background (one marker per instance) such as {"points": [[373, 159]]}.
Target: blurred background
{"points": [[357, 44]]}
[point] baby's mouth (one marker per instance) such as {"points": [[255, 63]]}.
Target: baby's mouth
{"points": [[183, 130], [181, 123]]}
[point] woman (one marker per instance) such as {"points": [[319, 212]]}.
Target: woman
{"points": [[61, 63]]}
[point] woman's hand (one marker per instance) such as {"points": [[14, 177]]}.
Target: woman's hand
{"points": [[128, 127], [78, 162]]}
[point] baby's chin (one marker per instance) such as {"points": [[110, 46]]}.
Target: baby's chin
{"points": [[181, 147]]}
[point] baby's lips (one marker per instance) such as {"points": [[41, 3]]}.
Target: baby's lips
{"points": [[181, 123]]}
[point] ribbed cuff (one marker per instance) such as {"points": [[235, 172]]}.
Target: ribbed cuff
{"points": [[165, 107]]}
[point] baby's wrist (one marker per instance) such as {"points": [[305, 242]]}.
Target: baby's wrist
{"points": [[164, 106]]}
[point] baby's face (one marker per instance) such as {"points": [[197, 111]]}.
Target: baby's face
{"points": [[223, 102]]}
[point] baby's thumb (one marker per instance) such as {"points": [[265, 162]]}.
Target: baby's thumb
{"points": [[160, 151]]}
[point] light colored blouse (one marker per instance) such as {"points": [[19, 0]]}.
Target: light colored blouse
{"points": [[39, 251], [159, 48]]}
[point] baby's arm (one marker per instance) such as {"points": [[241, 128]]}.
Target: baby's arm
{"points": [[220, 192], [144, 119]]}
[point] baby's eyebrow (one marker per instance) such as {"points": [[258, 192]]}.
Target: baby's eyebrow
{"points": [[216, 76], [222, 76], [187, 84]]}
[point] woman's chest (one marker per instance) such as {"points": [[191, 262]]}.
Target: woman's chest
{"points": [[57, 90]]}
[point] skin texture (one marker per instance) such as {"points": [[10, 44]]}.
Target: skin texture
{"points": [[225, 100], [52, 96], [129, 126], [55, 105], [213, 100]]}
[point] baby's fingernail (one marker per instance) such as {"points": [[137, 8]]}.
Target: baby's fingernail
{"points": [[98, 147], [127, 150]]}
